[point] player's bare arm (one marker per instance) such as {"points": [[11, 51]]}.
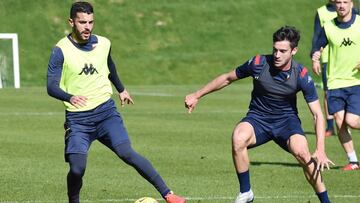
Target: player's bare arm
{"points": [[218, 83], [319, 154]]}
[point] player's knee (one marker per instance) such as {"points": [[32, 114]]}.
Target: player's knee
{"points": [[353, 123], [124, 151], [239, 141], [77, 163], [77, 170], [303, 156]]}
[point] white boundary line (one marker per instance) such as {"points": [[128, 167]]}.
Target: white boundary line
{"points": [[137, 112], [31, 113], [191, 199], [155, 94]]}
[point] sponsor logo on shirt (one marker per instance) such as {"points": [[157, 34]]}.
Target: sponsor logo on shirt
{"points": [[347, 42], [88, 70]]}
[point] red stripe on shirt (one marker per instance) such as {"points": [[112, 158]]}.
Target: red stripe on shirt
{"points": [[303, 72], [257, 60]]}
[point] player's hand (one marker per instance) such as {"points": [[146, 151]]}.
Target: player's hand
{"points": [[125, 98], [78, 101], [322, 160], [316, 66], [190, 102], [358, 66], [317, 54]]}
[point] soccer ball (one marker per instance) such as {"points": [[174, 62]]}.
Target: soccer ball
{"points": [[146, 200]]}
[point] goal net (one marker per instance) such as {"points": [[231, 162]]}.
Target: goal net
{"points": [[9, 61]]}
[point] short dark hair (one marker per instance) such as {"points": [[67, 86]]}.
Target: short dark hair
{"points": [[288, 33], [80, 7]]}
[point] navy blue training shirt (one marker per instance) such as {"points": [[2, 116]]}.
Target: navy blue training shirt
{"points": [[274, 92]]}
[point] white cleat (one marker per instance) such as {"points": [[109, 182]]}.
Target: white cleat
{"points": [[245, 197]]}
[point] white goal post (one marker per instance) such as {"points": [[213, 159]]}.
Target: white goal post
{"points": [[15, 53]]}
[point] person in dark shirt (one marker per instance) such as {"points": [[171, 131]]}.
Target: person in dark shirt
{"points": [[273, 114], [80, 73], [323, 14], [341, 35]]}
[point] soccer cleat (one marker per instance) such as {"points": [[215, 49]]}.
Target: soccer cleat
{"points": [[172, 198], [351, 167], [245, 197], [329, 133]]}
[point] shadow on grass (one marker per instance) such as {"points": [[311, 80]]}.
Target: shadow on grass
{"points": [[309, 133], [258, 163]]}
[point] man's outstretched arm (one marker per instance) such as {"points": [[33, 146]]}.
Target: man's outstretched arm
{"points": [[218, 83]]}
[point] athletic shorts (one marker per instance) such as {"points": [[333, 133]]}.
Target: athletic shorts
{"points": [[103, 124], [323, 76], [277, 129], [347, 99]]}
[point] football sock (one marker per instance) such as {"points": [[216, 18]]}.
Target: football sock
{"points": [[142, 166], [323, 197], [77, 164], [330, 124], [244, 181], [352, 157]]}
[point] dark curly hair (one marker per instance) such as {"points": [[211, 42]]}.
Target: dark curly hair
{"points": [[288, 33], [80, 7]]}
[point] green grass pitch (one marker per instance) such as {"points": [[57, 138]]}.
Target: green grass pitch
{"points": [[192, 152]]}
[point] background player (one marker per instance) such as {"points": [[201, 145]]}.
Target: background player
{"points": [[343, 76], [323, 14]]}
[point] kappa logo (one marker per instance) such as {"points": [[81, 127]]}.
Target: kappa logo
{"points": [[347, 42], [88, 70]]}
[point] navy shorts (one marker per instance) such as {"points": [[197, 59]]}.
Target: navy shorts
{"points": [[103, 123], [278, 129], [347, 99]]}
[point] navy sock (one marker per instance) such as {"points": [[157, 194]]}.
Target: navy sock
{"points": [[330, 124], [323, 197], [142, 166], [244, 181]]}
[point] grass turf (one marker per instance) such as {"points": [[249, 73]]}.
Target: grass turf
{"points": [[192, 152]]}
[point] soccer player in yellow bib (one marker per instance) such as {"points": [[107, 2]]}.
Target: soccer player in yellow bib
{"points": [[342, 36], [323, 14], [80, 73]]}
